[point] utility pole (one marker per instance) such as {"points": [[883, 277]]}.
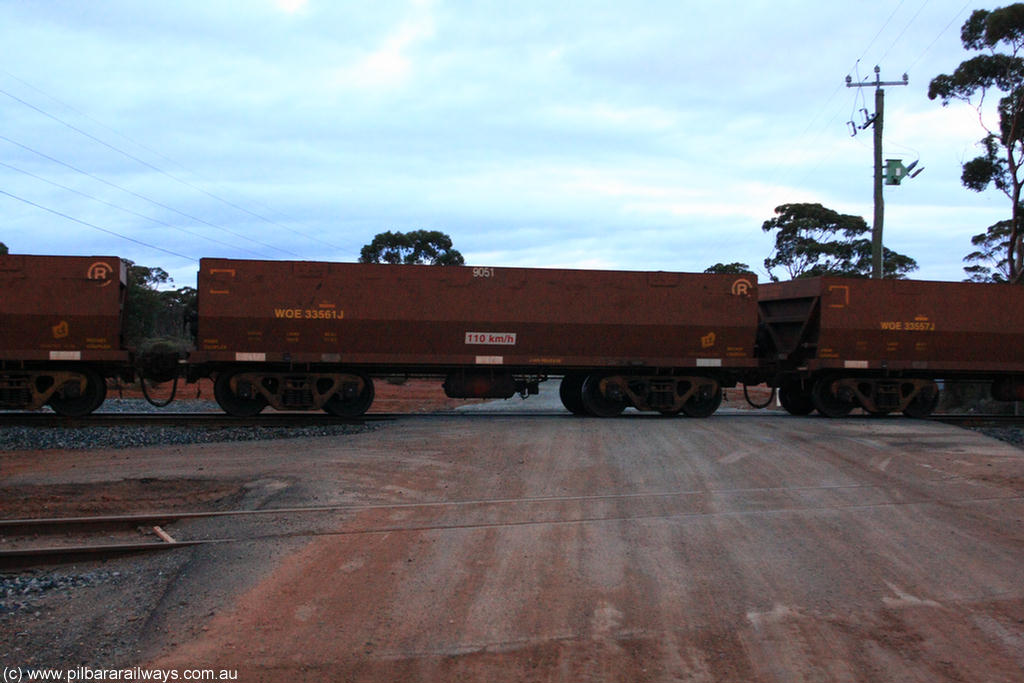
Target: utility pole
{"points": [[876, 121]]}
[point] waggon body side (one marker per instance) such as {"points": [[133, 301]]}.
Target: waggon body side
{"points": [[473, 321], [870, 333], [60, 330]]}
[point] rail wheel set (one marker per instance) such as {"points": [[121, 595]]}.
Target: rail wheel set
{"points": [[298, 335]]}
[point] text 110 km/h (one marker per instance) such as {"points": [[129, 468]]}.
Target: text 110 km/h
{"points": [[496, 338]]}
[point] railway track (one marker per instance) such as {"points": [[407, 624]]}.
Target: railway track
{"points": [[211, 420], [216, 420], [31, 542], [53, 540], [980, 420], [219, 420], [49, 541]]}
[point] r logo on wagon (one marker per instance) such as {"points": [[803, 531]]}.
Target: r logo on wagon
{"points": [[741, 287], [491, 338], [100, 270]]}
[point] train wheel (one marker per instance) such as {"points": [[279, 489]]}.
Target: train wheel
{"points": [[923, 404], [704, 403], [83, 404], [827, 402], [795, 399], [231, 403], [571, 393], [351, 407], [598, 404]]}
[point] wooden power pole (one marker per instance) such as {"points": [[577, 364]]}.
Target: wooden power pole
{"points": [[876, 121]]}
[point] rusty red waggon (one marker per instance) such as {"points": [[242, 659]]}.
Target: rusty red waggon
{"points": [[60, 331], [308, 335], [301, 335], [835, 344]]}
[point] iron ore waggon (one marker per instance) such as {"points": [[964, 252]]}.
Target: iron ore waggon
{"points": [[299, 335], [834, 344], [309, 335], [60, 331]]}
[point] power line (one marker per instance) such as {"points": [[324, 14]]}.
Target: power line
{"points": [[940, 34], [160, 170], [859, 96], [116, 132], [884, 26], [909, 24], [121, 208], [96, 227], [143, 197], [824, 108]]}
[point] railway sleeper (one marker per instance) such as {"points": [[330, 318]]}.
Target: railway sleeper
{"points": [[881, 396], [296, 391]]}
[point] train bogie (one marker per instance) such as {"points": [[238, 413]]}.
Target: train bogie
{"points": [[246, 391]]}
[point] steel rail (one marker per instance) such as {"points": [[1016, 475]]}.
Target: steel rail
{"points": [[22, 558], [976, 419]]}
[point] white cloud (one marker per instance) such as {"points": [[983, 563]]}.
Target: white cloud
{"points": [[607, 115], [291, 6], [390, 64]]}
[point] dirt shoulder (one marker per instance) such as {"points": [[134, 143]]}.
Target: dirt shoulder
{"points": [[471, 547]]}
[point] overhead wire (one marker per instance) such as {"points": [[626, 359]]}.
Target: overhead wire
{"points": [[126, 210], [825, 107], [143, 197], [880, 31], [900, 36], [859, 95], [128, 138], [941, 33], [96, 227], [161, 171]]}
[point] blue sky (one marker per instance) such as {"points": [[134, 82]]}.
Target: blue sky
{"points": [[640, 136]]}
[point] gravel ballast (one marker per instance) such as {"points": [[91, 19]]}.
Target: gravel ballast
{"points": [[23, 591], [79, 438]]}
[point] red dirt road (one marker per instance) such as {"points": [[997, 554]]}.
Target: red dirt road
{"points": [[738, 548]]}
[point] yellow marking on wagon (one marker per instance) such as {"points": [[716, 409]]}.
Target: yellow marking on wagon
{"points": [[845, 289], [328, 312], [918, 324]]}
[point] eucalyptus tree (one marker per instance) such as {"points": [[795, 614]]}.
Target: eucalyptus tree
{"points": [[999, 36], [812, 240]]}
